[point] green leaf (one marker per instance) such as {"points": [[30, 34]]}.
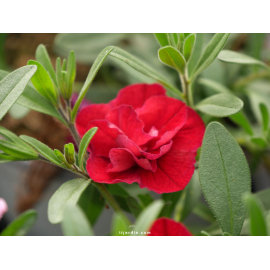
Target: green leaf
{"points": [[265, 116], [84, 144], [257, 220], [189, 198], [117, 190], [119, 224], [92, 203], [220, 105], [224, 176], [259, 141], [162, 38], [12, 86], [71, 72], [134, 206], [43, 83], [172, 58], [215, 86], [42, 148], [14, 138], [204, 233], [75, 222], [148, 216], [140, 66], [170, 200], [210, 53], [92, 73], [226, 234], [146, 199], [188, 46], [4, 158], [197, 51], [240, 119], [239, 58], [263, 196], [21, 225], [68, 193], [17, 151], [43, 58], [30, 98]]}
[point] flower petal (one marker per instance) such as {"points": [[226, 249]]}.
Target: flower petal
{"points": [[105, 138], [126, 119], [168, 227], [135, 95], [165, 114], [96, 168], [90, 113]]}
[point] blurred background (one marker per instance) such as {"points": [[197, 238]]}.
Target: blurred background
{"points": [[26, 185]]}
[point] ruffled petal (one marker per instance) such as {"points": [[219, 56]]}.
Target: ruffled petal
{"points": [[126, 119], [90, 113], [165, 114], [105, 138], [168, 227], [96, 168], [135, 95]]}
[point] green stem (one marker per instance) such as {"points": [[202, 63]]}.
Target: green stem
{"points": [[110, 199], [187, 88]]}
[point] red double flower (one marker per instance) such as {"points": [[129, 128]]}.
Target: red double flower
{"points": [[143, 136]]}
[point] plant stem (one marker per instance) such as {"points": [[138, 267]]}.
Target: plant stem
{"points": [[110, 199], [187, 88]]}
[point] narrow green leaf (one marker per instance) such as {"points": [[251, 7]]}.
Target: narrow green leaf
{"points": [[257, 221], [92, 203], [30, 98], [134, 206], [240, 119], [17, 151], [220, 105], [4, 158], [215, 86], [259, 141], [43, 83], [12, 86], [84, 144], [92, 73], [172, 58], [116, 189], [197, 51], [71, 72], [140, 66], [224, 176], [42, 148], [21, 225], [14, 138], [162, 38], [188, 46], [210, 53], [58, 69], [265, 117], [68, 193], [204, 233], [75, 222], [119, 225], [148, 216], [239, 58], [43, 58], [189, 198]]}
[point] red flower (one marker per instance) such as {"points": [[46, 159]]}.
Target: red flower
{"points": [[168, 227], [143, 136]]}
